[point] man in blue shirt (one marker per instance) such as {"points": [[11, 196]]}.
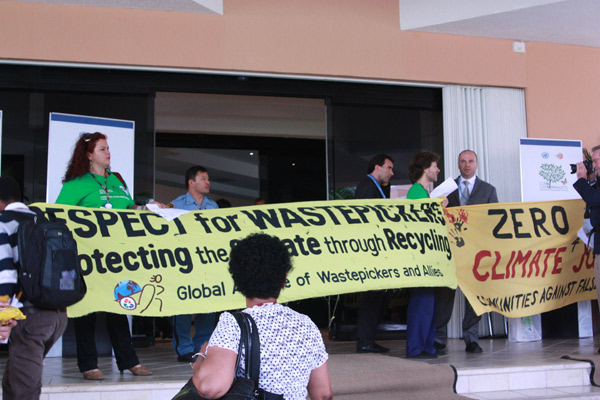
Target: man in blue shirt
{"points": [[198, 186]]}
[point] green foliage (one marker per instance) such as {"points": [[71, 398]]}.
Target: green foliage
{"points": [[551, 173], [341, 193]]}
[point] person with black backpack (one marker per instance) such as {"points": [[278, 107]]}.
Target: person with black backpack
{"points": [[31, 338]]}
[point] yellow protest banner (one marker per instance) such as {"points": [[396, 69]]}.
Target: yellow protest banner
{"points": [[137, 262], [521, 259]]}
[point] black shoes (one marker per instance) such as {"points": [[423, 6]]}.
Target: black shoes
{"points": [[423, 356], [187, 357], [371, 348], [439, 346], [473, 348]]}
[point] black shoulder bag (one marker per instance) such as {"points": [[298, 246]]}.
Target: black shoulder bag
{"points": [[246, 387]]}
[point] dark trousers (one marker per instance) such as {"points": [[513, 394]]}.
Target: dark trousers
{"points": [[120, 338], [371, 308], [444, 304], [420, 320], [30, 341], [183, 341]]}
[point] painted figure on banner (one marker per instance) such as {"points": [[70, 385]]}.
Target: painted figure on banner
{"points": [[197, 183], [373, 304], [420, 316], [591, 195], [471, 190]]}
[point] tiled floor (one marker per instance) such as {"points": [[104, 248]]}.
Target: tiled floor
{"points": [[499, 353], [496, 352]]}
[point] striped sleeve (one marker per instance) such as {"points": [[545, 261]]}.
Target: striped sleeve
{"points": [[8, 255]]}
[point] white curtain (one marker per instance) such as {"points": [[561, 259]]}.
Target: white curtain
{"points": [[489, 121]]}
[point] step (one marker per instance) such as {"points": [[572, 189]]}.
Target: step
{"points": [[113, 391], [562, 380], [560, 393], [563, 373]]}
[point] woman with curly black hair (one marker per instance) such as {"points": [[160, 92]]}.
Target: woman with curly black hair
{"points": [[293, 360]]}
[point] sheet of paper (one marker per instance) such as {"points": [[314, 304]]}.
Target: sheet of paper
{"points": [[585, 237], [585, 233], [444, 189], [167, 213], [15, 302]]}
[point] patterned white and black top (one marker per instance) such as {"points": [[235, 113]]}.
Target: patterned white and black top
{"points": [[9, 252], [291, 346]]}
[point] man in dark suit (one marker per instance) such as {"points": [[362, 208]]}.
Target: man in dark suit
{"points": [[471, 190], [372, 304]]}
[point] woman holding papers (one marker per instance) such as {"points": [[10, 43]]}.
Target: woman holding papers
{"points": [[89, 182]]}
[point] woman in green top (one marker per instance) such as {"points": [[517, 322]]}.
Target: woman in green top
{"points": [[420, 314], [88, 182]]}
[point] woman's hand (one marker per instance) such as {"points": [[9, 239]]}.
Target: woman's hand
{"points": [[6, 328], [445, 203], [145, 206], [160, 205], [196, 364]]}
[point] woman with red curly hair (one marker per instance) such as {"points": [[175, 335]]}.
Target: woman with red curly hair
{"points": [[89, 182]]}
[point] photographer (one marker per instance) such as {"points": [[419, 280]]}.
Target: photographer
{"points": [[591, 195]]}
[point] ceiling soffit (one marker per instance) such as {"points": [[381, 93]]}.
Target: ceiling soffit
{"points": [[185, 6], [572, 22]]}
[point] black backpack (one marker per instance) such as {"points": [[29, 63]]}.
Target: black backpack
{"points": [[49, 272]]}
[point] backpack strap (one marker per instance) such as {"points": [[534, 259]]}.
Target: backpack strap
{"points": [[254, 350], [250, 340], [244, 336], [41, 217], [19, 216]]}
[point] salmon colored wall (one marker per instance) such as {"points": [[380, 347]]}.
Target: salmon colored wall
{"points": [[562, 92], [342, 38]]}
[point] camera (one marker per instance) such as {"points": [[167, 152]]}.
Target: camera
{"points": [[589, 166]]}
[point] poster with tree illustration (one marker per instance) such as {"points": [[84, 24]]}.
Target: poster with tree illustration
{"points": [[546, 175], [546, 171], [552, 173]]}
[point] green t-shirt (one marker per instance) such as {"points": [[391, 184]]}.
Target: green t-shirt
{"points": [[85, 191], [417, 191]]}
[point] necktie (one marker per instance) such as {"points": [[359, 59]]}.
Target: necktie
{"points": [[466, 194]]}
